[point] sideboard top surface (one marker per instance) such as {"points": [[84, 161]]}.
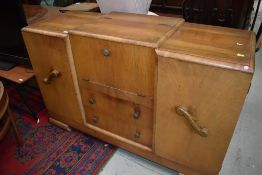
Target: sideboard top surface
{"points": [[220, 46], [142, 30], [62, 23]]}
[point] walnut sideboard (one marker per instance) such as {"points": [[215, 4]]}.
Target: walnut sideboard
{"points": [[164, 89]]}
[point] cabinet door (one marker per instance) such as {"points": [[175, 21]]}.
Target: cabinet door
{"points": [[48, 54], [212, 96]]}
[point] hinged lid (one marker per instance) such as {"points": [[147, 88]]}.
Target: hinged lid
{"points": [[210, 45], [136, 29]]}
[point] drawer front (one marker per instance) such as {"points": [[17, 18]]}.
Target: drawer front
{"points": [[120, 117], [119, 65], [212, 97], [51, 66]]}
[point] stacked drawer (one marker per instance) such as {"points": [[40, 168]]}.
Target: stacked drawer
{"points": [[127, 119], [116, 73], [116, 87]]}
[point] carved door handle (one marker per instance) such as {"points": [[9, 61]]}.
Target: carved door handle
{"points": [[183, 112], [53, 74]]}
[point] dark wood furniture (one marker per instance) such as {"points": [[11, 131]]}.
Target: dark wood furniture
{"points": [[167, 6], [228, 13], [6, 116], [18, 74]]}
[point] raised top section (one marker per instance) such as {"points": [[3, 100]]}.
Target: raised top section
{"points": [[60, 24], [136, 29], [217, 46]]}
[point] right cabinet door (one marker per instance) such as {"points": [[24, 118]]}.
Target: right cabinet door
{"points": [[197, 134]]}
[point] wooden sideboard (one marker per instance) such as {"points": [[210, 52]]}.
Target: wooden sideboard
{"points": [[164, 89]]}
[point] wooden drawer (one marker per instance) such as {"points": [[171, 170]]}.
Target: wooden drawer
{"points": [[120, 117], [120, 65]]}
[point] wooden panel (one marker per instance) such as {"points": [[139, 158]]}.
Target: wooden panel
{"points": [[214, 96], [116, 116], [63, 22], [146, 30], [129, 67], [227, 47], [18, 74], [48, 53]]}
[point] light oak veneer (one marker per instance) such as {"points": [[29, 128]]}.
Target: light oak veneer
{"points": [[122, 76]]}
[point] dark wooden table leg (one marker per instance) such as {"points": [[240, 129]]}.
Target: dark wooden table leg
{"points": [[32, 113], [17, 134]]}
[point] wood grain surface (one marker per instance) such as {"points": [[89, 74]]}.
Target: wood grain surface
{"points": [[18, 74], [145, 30], [213, 96], [129, 63], [128, 67], [217, 46], [60, 95], [116, 116]]}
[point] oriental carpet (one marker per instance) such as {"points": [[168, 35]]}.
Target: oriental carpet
{"points": [[47, 149]]}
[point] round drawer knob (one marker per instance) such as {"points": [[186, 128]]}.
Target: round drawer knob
{"points": [[136, 115], [106, 52], [91, 100], [94, 119], [137, 135]]}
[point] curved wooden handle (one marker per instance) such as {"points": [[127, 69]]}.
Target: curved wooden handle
{"points": [[183, 112], [53, 74]]}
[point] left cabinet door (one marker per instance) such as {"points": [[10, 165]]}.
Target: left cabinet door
{"points": [[53, 65]]}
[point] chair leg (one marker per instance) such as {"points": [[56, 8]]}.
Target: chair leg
{"points": [[17, 134]]}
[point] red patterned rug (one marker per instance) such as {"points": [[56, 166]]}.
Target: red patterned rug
{"points": [[47, 148]]}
